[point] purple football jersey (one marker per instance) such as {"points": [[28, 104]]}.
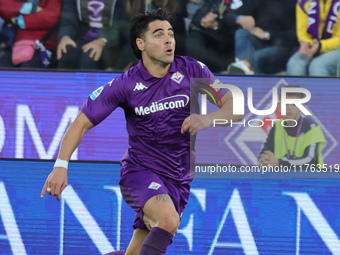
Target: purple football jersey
{"points": [[155, 109]]}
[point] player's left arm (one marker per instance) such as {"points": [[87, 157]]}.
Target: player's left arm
{"points": [[196, 122]]}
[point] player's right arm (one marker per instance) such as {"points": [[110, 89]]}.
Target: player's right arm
{"points": [[57, 179]]}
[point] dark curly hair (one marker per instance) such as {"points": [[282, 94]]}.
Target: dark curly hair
{"points": [[140, 24]]}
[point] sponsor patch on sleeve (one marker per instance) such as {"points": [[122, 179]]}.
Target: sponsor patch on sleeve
{"points": [[96, 93]]}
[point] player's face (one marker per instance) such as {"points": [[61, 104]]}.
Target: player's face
{"points": [[158, 43], [292, 111]]}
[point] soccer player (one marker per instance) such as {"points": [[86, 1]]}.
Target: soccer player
{"points": [[300, 142], [155, 94]]}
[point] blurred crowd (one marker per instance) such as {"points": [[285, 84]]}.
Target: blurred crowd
{"points": [[241, 37]]}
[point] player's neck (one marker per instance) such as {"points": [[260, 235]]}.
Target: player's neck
{"points": [[156, 68]]}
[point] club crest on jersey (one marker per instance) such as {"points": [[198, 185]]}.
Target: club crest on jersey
{"points": [[96, 93], [154, 185], [177, 77]]}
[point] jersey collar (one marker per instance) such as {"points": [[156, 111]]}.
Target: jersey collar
{"points": [[147, 76]]}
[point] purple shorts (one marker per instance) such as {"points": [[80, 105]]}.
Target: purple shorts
{"points": [[139, 184]]}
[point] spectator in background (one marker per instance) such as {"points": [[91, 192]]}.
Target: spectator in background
{"points": [[211, 35], [193, 6], [300, 141], [36, 20], [267, 38], [86, 34], [318, 35], [125, 57], [7, 34]]}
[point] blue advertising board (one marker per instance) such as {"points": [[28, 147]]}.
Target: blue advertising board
{"points": [[36, 108], [226, 214], [223, 216]]}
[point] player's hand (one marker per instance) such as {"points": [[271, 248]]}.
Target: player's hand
{"points": [[55, 183], [96, 47], [196, 122], [246, 22], [66, 40]]}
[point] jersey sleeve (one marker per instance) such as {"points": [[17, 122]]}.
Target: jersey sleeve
{"points": [[103, 101], [208, 85]]}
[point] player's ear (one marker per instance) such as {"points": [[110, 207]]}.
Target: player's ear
{"points": [[140, 44]]}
